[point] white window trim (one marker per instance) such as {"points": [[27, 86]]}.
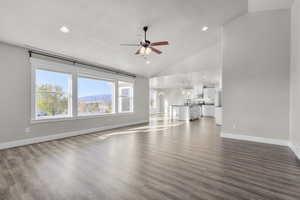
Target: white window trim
{"points": [[154, 93], [133, 87], [38, 64], [81, 75], [76, 72]]}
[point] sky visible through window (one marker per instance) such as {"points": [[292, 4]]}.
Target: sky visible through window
{"points": [[52, 78], [91, 87], [86, 86]]}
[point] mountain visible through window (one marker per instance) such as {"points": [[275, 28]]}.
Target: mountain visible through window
{"points": [[95, 97]]}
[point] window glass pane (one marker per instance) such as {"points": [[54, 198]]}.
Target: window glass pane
{"points": [[52, 94], [95, 96], [125, 97], [153, 99], [125, 105]]}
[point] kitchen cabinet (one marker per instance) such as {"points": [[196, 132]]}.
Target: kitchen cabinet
{"points": [[208, 110]]}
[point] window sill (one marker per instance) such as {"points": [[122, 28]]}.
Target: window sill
{"points": [[102, 115], [37, 121], [82, 117], [95, 116], [127, 112]]}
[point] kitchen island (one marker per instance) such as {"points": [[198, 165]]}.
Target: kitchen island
{"points": [[185, 112]]}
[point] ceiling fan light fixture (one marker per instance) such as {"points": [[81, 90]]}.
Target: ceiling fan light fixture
{"points": [[142, 51], [148, 51], [146, 47], [148, 62], [204, 28], [64, 29]]}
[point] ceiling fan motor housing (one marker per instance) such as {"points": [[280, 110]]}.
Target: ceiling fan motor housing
{"points": [[146, 45], [145, 28]]}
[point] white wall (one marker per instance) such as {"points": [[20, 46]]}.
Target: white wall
{"points": [[256, 75], [295, 76], [157, 98], [262, 5], [15, 102], [174, 96], [166, 98], [206, 61]]}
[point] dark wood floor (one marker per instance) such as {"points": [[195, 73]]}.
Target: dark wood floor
{"points": [[164, 161]]}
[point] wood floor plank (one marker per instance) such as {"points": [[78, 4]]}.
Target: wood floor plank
{"points": [[163, 160]]}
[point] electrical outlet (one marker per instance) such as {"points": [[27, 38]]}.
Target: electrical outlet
{"points": [[27, 130]]}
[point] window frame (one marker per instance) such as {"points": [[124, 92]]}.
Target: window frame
{"points": [[132, 98], [38, 64], [153, 93], [76, 71], [99, 78]]}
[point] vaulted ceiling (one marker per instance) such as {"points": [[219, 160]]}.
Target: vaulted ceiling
{"points": [[99, 26], [203, 68], [261, 5], [185, 80]]}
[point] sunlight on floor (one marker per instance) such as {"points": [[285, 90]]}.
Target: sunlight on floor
{"points": [[103, 137], [144, 129], [158, 126]]}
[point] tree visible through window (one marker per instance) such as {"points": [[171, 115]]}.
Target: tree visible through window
{"points": [[53, 92], [53, 85]]}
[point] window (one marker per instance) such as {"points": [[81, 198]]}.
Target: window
{"points": [[95, 96], [153, 99], [53, 94], [125, 97], [63, 91]]}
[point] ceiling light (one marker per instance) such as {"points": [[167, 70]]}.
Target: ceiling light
{"points": [[148, 62], [205, 28], [64, 29], [148, 50], [142, 50]]}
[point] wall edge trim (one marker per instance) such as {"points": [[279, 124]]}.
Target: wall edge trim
{"points": [[34, 140], [255, 139], [294, 148]]}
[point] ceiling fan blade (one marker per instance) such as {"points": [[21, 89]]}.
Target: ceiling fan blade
{"points": [[160, 43], [138, 51], [155, 50], [133, 45]]}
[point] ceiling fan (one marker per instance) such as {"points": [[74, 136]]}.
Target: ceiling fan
{"points": [[146, 47]]}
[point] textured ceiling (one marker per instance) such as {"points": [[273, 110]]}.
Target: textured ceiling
{"points": [[99, 26]]}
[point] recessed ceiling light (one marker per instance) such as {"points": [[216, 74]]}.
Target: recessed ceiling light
{"points": [[205, 28], [148, 62], [64, 29]]}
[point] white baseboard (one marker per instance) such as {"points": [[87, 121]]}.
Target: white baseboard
{"points": [[256, 139], [17, 143], [295, 149]]}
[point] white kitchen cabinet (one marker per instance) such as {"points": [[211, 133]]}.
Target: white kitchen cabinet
{"points": [[208, 110], [209, 93], [219, 115]]}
